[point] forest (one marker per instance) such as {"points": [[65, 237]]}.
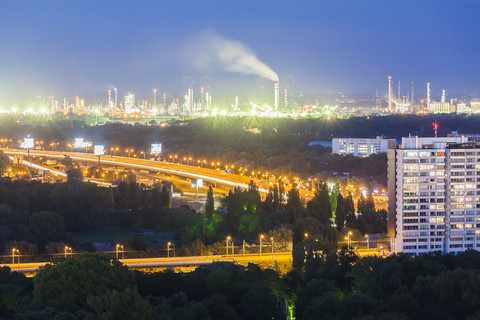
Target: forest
{"points": [[329, 285]]}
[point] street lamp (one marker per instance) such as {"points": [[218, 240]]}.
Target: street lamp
{"points": [[306, 235], [348, 239], [119, 248], [15, 251], [368, 244], [228, 239], [168, 249], [271, 239], [67, 250], [261, 238]]}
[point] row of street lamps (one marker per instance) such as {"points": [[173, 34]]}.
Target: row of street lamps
{"points": [[228, 240]]}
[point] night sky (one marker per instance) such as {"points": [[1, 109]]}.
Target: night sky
{"points": [[61, 47]]}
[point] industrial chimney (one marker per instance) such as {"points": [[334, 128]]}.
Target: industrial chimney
{"points": [[277, 94], [428, 94], [389, 93]]}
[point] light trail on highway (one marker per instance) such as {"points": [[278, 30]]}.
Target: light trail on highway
{"points": [[176, 169]]}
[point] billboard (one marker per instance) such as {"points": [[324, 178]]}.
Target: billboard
{"points": [[28, 143], [98, 150], [78, 143], [156, 148], [197, 182]]}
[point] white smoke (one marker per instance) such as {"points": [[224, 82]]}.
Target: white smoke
{"points": [[210, 51]]}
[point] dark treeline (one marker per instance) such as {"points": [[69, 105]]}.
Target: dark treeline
{"points": [[38, 218], [328, 285]]}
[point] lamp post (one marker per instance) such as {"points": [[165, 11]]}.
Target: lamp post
{"points": [[349, 240], [261, 238], [227, 240], [168, 249], [271, 239], [119, 248], [15, 251], [67, 250], [368, 244]]}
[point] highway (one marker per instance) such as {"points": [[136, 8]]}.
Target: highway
{"points": [[217, 176], [172, 262]]}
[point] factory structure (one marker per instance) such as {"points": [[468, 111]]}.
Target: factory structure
{"points": [[407, 103]]}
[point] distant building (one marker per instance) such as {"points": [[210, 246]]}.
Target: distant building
{"points": [[439, 107], [362, 147], [433, 195], [129, 103]]}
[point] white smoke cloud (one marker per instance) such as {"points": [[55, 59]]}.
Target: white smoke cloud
{"points": [[209, 51]]}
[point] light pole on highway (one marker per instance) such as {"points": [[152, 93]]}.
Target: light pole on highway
{"points": [[227, 240], [15, 251], [271, 239], [368, 244], [119, 248], [168, 249], [67, 250], [261, 238]]}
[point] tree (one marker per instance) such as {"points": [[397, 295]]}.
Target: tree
{"points": [[350, 217], [67, 162], [115, 305], [47, 226], [68, 282], [165, 197], [74, 175], [319, 206], [294, 201], [341, 212], [4, 162], [209, 204]]}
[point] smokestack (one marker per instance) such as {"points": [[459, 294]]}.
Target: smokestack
{"points": [[116, 97], [286, 98], [109, 97], [164, 101], [399, 96], [443, 96], [277, 93], [390, 93], [428, 94], [154, 98], [412, 101]]}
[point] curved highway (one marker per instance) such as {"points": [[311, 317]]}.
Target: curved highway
{"points": [[217, 176]]}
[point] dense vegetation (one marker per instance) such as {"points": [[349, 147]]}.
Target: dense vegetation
{"points": [[39, 218], [328, 285]]}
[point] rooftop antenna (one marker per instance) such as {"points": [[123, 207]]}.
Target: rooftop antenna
{"points": [[435, 127]]}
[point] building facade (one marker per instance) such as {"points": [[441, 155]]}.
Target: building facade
{"points": [[434, 198], [362, 147]]}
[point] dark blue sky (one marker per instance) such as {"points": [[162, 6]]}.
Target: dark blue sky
{"points": [[58, 47]]}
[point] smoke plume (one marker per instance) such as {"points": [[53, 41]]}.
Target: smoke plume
{"points": [[210, 51]]}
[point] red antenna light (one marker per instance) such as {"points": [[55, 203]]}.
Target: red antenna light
{"points": [[435, 127]]}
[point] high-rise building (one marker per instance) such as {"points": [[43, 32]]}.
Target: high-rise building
{"points": [[362, 147], [434, 196]]}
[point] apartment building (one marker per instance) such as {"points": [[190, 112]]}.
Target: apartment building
{"points": [[362, 147], [434, 198]]}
